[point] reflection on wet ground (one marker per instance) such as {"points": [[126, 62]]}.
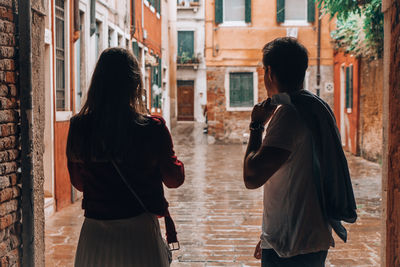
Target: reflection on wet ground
{"points": [[219, 221]]}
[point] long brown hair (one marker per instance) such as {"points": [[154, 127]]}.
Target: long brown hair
{"points": [[114, 106]]}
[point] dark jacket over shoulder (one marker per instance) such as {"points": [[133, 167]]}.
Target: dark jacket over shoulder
{"points": [[331, 172]]}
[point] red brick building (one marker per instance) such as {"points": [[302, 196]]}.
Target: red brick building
{"points": [[10, 191]]}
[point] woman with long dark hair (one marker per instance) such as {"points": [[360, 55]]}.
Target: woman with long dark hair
{"points": [[120, 157]]}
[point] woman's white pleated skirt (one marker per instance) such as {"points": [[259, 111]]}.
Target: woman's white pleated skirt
{"points": [[135, 242]]}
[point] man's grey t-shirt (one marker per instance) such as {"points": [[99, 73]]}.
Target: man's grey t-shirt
{"points": [[293, 223]]}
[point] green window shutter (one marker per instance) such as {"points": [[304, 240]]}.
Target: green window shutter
{"points": [[218, 11], [280, 11], [347, 87], [158, 6], [159, 73], [248, 11], [247, 89], [235, 95], [310, 10], [241, 89], [351, 87], [135, 48]]}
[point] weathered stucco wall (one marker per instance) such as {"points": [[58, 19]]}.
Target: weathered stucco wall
{"points": [[224, 125], [371, 101]]}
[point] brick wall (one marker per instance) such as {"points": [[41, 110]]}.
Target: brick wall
{"points": [[227, 126], [10, 226]]}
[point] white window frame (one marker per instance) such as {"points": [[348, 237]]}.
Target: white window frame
{"points": [[66, 114], [227, 87], [297, 22], [307, 81]]}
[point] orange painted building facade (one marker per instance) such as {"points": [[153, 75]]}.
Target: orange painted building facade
{"points": [[233, 55], [347, 99], [358, 102], [146, 36]]}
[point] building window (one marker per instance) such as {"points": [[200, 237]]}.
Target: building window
{"points": [[295, 11], [241, 90], [60, 56], [185, 46], [156, 92], [97, 39], [110, 37], [234, 10], [349, 87], [135, 49]]}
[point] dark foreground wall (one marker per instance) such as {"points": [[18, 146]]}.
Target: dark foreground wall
{"points": [[391, 148]]}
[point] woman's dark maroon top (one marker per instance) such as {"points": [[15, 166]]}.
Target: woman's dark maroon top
{"points": [[151, 163]]}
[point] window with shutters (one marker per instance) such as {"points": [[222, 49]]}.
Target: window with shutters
{"points": [[98, 39], [241, 93], [349, 88], [61, 94], [156, 92], [135, 49], [296, 12], [186, 48]]}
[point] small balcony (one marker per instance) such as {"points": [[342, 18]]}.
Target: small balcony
{"points": [[188, 5], [187, 61]]}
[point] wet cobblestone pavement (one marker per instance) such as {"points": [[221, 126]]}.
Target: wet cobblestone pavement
{"points": [[219, 221]]}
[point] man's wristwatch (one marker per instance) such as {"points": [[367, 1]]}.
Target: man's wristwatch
{"points": [[256, 126]]}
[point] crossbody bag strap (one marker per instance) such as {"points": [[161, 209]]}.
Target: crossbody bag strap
{"points": [[169, 223], [129, 186]]}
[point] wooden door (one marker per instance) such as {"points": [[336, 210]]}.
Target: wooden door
{"points": [[186, 100], [63, 188]]}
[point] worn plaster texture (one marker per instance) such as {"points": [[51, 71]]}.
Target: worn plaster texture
{"points": [[38, 123], [371, 101]]}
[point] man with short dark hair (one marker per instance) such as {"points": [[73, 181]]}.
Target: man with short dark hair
{"points": [[291, 164]]}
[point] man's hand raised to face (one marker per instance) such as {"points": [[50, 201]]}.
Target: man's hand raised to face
{"points": [[263, 111]]}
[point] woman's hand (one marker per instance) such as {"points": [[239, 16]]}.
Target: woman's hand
{"points": [[257, 251], [263, 111]]}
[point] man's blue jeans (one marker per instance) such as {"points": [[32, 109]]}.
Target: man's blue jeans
{"points": [[271, 259]]}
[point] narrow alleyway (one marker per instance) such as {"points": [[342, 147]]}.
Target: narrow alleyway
{"points": [[218, 220]]}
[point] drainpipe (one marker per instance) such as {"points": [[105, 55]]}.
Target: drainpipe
{"points": [[25, 80], [133, 18], [319, 53]]}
